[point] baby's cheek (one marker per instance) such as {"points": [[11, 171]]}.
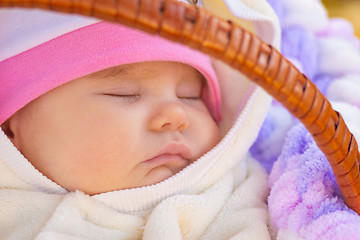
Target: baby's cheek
{"points": [[207, 134]]}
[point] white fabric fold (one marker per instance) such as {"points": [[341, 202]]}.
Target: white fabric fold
{"points": [[222, 195]]}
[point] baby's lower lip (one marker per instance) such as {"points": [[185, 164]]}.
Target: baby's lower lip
{"points": [[172, 159]]}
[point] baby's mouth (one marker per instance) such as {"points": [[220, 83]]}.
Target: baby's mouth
{"points": [[173, 155]]}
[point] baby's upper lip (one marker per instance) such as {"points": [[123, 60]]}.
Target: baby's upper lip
{"points": [[174, 148]]}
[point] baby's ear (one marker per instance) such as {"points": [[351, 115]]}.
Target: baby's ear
{"points": [[6, 127], [11, 129]]}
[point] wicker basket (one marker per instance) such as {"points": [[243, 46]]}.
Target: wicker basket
{"points": [[260, 62]]}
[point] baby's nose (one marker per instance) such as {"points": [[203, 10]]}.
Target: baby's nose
{"points": [[170, 116]]}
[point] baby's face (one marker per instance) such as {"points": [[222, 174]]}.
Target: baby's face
{"points": [[124, 127]]}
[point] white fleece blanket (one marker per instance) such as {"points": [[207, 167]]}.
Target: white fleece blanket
{"points": [[230, 209], [221, 196]]}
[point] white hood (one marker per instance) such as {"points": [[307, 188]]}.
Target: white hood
{"points": [[244, 107], [219, 196]]}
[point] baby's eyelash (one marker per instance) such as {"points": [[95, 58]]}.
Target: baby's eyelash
{"points": [[190, 99], [131, 98]]}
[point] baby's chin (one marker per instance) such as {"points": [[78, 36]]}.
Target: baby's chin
{"points": [[158, 175], [154, 176]]}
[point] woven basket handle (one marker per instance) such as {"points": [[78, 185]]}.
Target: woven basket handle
{"points": [[260, 62]]}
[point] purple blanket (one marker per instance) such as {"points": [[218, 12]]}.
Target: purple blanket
{"points": [[305, 201], [305, 197]]}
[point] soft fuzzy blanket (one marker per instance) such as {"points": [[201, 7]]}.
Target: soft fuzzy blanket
{"points": [[305, 201]]}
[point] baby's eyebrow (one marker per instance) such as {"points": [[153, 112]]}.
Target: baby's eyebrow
{"points": [[119, 73], [111, 73]]}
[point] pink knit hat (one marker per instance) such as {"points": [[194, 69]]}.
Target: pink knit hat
{"points": [[34, 66]]}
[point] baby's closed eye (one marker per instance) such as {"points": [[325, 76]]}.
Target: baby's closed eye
{"points": [[190, 91], [190, 99], [128, 98]]}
